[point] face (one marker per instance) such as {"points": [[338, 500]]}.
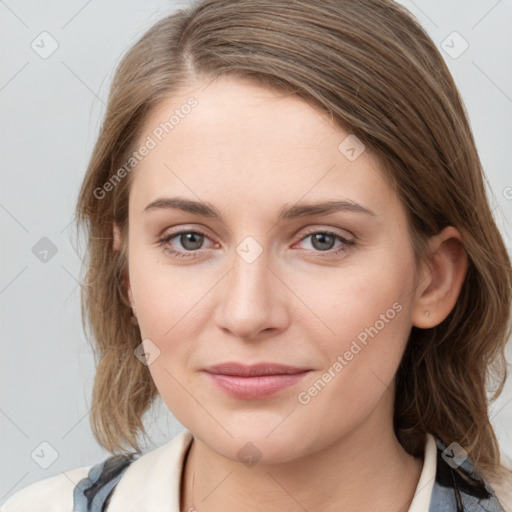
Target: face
{"points": [[247, 270]]}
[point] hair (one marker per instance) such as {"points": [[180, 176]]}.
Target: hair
{"points": [[373, 69]]}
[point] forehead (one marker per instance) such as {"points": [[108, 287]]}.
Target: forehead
{"points": [[231, 141]]}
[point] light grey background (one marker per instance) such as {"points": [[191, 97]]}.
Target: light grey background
{"points": [[51, 113]]}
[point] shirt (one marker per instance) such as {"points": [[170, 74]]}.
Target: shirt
{"points": [[151, 483]]}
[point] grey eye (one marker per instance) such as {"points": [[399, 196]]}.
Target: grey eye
{"points": [[323, 241], [191, 241]]}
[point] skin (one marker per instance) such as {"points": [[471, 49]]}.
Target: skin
{"points": [[249, 152]]}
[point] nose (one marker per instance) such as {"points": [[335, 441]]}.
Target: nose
{"points": [[252, 302]]}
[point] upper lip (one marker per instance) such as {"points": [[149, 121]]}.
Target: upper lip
{"points": [[242, 370]]}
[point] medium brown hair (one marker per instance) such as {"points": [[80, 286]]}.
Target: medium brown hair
{"points": [[371, 67]]}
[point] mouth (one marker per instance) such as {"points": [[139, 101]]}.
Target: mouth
{"points": [[255, 381]]}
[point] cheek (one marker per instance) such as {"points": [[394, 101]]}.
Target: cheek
{"points": [[371, 324], [164, 294], [171, 305], [367, 319], [374, 296]]}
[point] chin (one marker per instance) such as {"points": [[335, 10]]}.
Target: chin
{"points": [[261, 439]]}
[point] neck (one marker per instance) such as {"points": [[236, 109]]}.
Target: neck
{"points": [[366, 470]]}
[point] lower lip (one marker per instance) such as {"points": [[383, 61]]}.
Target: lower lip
{"points": [[260, 386]]}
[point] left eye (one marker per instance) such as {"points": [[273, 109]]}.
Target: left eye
{"points": [[324, 241]]}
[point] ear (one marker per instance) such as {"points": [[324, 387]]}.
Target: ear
{"points": [[116, 247], [441, 279]]}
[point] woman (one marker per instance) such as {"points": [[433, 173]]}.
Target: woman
{"points": [[289, 241]]}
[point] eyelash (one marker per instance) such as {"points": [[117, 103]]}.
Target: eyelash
{"points": [[193, 254]]}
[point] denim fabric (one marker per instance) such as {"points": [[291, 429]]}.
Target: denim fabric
{"points": [[92, 494], [458, 488]]}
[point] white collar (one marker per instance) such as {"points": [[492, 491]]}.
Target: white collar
{"points": [[152, 482], [423, 492]]}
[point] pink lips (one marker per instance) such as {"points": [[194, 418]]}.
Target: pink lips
{"points": [[255, 381]]}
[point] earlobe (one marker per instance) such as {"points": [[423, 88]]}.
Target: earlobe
{"points": [[117, 237], [443, 277], [129, 292]]}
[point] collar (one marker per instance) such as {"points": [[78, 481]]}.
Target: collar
{"points": [[156, 477]]}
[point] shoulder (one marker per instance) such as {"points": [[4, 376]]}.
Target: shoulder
{"points": [[92, 487], [152, 482], [53, 493], [80, 490]]}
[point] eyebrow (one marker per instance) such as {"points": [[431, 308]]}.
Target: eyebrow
{"points": [[286, 213]]}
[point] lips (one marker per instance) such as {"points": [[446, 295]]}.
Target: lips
{"points": [[254, 381], [253, 370]]}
